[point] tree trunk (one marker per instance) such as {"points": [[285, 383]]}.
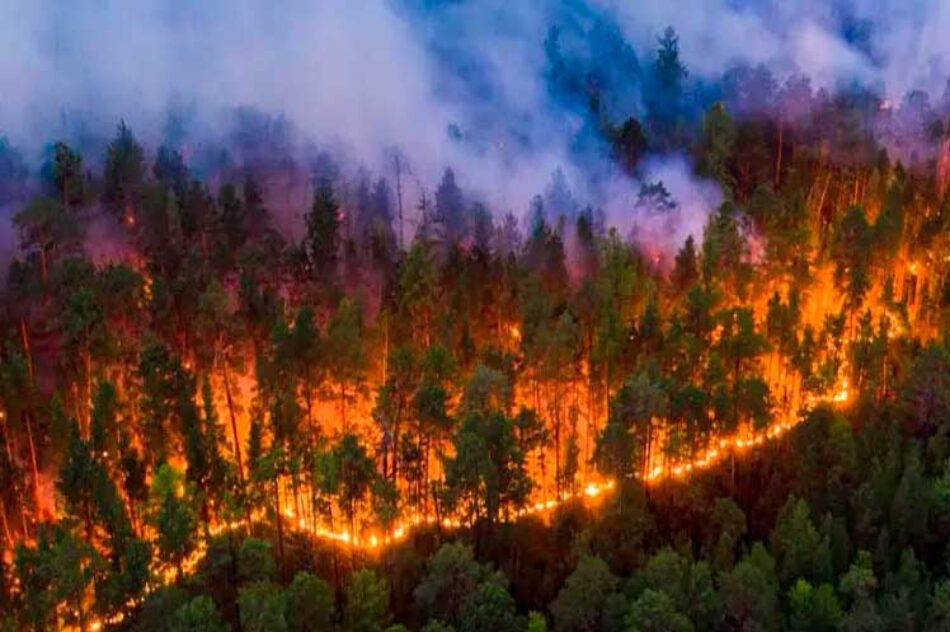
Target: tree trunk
{"points": [[7, 535], [87, 407], [557, 442], [295, 483], [44, 273], [80, 614], [25, 336], [237, 442], [33, 465], [280, 530], [343, 406]]}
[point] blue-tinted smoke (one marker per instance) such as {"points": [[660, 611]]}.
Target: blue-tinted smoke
{"points": [[502, 91]]}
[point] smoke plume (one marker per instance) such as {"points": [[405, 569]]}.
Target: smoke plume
{"points": [[446, 83]]}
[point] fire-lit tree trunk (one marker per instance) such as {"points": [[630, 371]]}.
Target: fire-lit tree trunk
{"points": [[237, 441], [280, 527], [556, 417], [343, 425], [25, 335], [7, 536], [33, 463], [87, 400]]}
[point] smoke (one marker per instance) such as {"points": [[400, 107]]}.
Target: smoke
{"points": [[661, 222], [897, 44], [448, 83]]}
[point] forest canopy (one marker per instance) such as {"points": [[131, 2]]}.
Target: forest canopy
{"points": [[282, 391]]}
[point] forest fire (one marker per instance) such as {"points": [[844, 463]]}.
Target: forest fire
{"points": [[699, 377]]}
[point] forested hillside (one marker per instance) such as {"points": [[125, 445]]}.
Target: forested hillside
{"points": [[292, 393]]}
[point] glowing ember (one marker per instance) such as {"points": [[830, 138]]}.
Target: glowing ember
{"points": [[842, 393]]}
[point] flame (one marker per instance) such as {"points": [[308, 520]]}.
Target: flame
{"points": [[842, 394]]}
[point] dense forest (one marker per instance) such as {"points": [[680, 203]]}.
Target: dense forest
{"points": [[429, 414]]}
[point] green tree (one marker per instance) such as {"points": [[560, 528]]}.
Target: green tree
{"points": [[686, 267], [689, 584], [351, 472], [537, 622], [124, 174], [749, 592], [262, 608], [489, 607], [417, 292], [308, 604], [655, 611], [926, 391], [159, 609], [198, 615], [255, 561], [938, 615], [579, 606], [451, 576], [487, 474], [665, 105], [813, 609], [46, 229], [718, 145], [347, 362], [859, 584], [366, 603], [172, 517], [634, 411], [66, 175], [323, 234], [799, 549]]}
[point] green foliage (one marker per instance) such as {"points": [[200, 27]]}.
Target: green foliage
{"points": [[172, 516], [579, 606], [323, 232], [537, 622], [262, 608], [499, 368], [813, 608], [366, 603], [489, 607], [308, 604], [198, 615], [124, 172], [487, 474], [689, 584], [451, 577], [160, 609], [255, 561], [797, 546], [749, 592], [654, 611]]}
